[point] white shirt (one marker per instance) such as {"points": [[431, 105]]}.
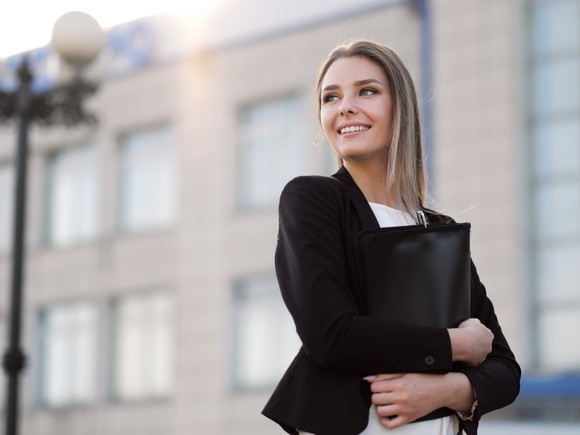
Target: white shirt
{"points": [[391, 217]]}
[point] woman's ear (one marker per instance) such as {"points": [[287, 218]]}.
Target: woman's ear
{"points": [[320, 139]]}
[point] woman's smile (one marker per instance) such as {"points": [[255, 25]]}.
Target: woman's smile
{"points": [[348, 130], [352, 128]]}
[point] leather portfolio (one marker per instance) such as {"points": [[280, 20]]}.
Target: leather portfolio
{"points": [[418, 274]]}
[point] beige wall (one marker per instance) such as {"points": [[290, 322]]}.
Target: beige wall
{"points": [[477, 130]]}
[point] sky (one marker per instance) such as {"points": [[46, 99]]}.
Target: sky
{"points": [[27, 24]]}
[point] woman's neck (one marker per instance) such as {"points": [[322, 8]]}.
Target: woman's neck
{"points": [[371, 178]]}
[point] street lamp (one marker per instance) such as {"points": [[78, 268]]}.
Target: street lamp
{"points": [[78, 39]]}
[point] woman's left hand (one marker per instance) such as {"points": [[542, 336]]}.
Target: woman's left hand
{"points": [[402, 398]]}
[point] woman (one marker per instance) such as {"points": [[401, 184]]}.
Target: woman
{"points": [[439, 380]]}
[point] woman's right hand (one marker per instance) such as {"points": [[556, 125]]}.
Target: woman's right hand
{"points": [[470, 342]]}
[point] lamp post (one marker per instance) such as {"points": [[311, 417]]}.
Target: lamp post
{"points": [[78, 39]]}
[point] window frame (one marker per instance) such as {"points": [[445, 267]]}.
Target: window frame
{"points": [[41, 398], [237, 383], [113, 389], [541, 180], [122, 224], [8, 166], [48, 238], [244, 201]]}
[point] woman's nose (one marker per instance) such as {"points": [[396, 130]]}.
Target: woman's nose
{"points": [[347, 106]]}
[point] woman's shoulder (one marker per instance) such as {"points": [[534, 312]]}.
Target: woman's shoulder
{"points": [[312, 195], [313, 186]]}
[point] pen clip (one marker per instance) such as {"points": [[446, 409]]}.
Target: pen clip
{"points": [[421, 220]]}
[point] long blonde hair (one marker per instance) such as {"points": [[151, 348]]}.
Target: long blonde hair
{"points": [[405, 162]]}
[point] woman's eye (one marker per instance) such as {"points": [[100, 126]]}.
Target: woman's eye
{"points": [[329, 98], [367, 91]]}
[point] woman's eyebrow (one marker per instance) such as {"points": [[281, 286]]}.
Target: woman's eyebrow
{"points": [[330, 88], [367, 81], [357, 83]]}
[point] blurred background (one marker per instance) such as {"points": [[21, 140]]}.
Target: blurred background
{"points": [[151, 305]]}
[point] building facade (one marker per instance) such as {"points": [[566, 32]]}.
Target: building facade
{"points": [[151, 300]]}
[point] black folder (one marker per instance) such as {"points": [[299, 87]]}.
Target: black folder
{"points": [[418, 274]]}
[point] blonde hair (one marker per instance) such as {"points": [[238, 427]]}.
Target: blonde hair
{"points": [[405, 162]]}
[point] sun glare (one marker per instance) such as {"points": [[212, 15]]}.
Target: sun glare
{"points": [[27, 24]]}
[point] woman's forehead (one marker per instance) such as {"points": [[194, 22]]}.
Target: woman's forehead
{"points": [[349, 70]]}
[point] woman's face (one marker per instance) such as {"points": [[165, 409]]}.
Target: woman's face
{"points": [[356, 109]]}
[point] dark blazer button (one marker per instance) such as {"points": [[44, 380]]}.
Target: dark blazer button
{"points": [[429, 360]]}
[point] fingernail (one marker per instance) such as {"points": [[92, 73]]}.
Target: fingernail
{"points": [[369, 378]]}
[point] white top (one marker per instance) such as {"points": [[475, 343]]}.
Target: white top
{"points": [[390, 217]]}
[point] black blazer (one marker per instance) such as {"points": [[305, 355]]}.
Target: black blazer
{"points": [[322, 391]]}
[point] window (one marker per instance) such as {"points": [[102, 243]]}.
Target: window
{"points": [[273, 149], [4, 343], [144, 346], [148, 196], [554, 68], [264, 337], [68, 349], [6, 207], [72, 211]]}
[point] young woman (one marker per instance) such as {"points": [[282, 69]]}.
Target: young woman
{"points": [[421, 380]]}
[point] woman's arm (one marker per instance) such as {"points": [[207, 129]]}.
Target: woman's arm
{"points": [[494, 382], [312, 270], [402, 398], [471, 342]]}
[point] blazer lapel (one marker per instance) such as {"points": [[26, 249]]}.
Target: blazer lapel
{"points": [[361, 205]]}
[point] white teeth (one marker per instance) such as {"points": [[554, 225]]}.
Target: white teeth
{"points": [[353, 128]]}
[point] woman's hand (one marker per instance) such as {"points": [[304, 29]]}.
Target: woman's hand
{"points": [[470, 342], [402, 398]]}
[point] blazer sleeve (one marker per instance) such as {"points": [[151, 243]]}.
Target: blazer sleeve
{"points": [[312, 271], [496, 381]]}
